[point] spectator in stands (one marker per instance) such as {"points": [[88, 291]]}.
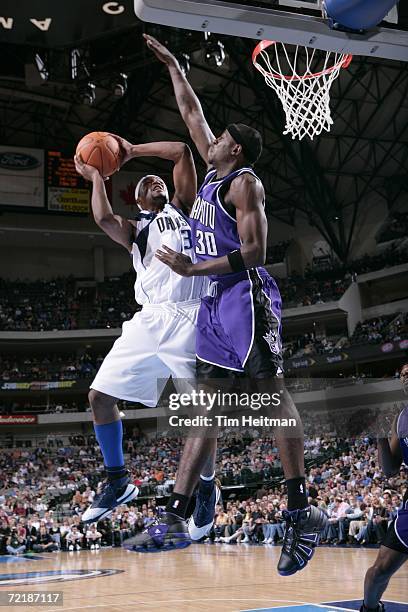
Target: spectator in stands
{"points": [[74, 538], [221, 521], [45, 542], [15, 544], [273, 528], [93, 537]]}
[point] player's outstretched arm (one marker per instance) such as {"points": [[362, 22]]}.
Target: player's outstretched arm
{"points": [[389, 453], [247, 194], [188, 103], [184, 172], [116, 227]]}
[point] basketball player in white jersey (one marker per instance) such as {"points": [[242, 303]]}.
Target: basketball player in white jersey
{"points": [[159, 341]]}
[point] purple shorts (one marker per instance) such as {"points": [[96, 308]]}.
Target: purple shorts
{"points": [[397, 534], [239, 328]]}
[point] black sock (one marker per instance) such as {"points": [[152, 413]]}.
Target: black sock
{"points": [[116, 473], [297, 498], [178, 504], [377, 609]]}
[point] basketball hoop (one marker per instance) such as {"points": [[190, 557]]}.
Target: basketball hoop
{"points": [[305, 89]]}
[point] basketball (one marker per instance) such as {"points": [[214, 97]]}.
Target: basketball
{"points": [[100, 150]]}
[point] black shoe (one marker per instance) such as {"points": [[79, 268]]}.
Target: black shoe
{"points": [[167, 532], [302, 535], [112, 495]]}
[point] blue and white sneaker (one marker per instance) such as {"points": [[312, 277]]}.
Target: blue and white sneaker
{"points": [[202, 519], [167, 532], [302, 536], [112, 495]]}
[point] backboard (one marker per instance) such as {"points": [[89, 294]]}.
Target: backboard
{"points": [[297, 22]]}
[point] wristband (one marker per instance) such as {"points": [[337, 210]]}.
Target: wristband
{"points": [[236, 261]]}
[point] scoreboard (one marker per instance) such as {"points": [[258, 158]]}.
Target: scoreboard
{"points": [[67, 191]]}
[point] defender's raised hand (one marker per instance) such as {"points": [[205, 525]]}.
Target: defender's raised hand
{"points": [[160, 51], [126, 149]]}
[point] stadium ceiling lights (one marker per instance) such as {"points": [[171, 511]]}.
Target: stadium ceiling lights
{"points": [[87, 94], [119, 85], [214, 52]]}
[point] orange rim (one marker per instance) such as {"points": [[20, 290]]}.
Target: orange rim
{"points": [[264, 44]]}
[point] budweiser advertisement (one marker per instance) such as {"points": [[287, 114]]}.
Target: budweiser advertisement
{"points": [[18, 419]]}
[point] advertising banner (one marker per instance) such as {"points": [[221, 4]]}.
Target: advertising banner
{"points": [[18, 419], [21, 177]]}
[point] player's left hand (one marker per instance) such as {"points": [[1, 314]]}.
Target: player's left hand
{"points": [[178, 262], [85, 170]]}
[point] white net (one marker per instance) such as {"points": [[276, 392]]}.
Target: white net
{"points": [[302, 78]]}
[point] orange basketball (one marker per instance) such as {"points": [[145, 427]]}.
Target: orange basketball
{"points": [[100, 150]]}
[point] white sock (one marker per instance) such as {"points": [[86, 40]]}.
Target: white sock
{"points": [[207, 478]]}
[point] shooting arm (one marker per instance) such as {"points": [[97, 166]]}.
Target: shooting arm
{"points": [[116, 227]]}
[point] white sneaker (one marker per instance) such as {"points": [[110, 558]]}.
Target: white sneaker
{"points": [[202, 519], [77, 547], [224, 539], [246, 540], [97, 546], [71, 547], [92, 546]]}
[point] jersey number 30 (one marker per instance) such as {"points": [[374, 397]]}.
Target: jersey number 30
{"points": [[205, 243]]}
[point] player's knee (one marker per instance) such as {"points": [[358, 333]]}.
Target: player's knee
{"points": [[380, 571], [97, 400]]}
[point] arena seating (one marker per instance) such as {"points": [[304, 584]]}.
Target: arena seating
{"points": [[60, 304], [48, 488], [395, 228]]}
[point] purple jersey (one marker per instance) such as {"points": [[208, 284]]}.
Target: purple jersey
{"points": [[239, 324], [214, 229]]}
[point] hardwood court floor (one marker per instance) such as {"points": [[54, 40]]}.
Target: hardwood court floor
{"points": [[216, 578]]}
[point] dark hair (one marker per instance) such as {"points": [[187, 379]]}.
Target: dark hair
{"points": [[250, 140]]}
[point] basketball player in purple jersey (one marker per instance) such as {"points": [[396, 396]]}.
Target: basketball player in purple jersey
{"points": [[239, 328], [393, 552]]}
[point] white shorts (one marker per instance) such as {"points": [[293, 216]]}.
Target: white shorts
{"points": [[159, 342]]}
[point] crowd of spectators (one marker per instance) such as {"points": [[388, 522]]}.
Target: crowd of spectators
{"points": [[38, 305], [84, 364], [313, 288], [114, 302], [310, 344], [387, 328], [44, 491], [392, 256], [395, 228], [50, 367], [63, 304]]}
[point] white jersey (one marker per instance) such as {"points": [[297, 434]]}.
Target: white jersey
{"points": [[156, 283]]}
